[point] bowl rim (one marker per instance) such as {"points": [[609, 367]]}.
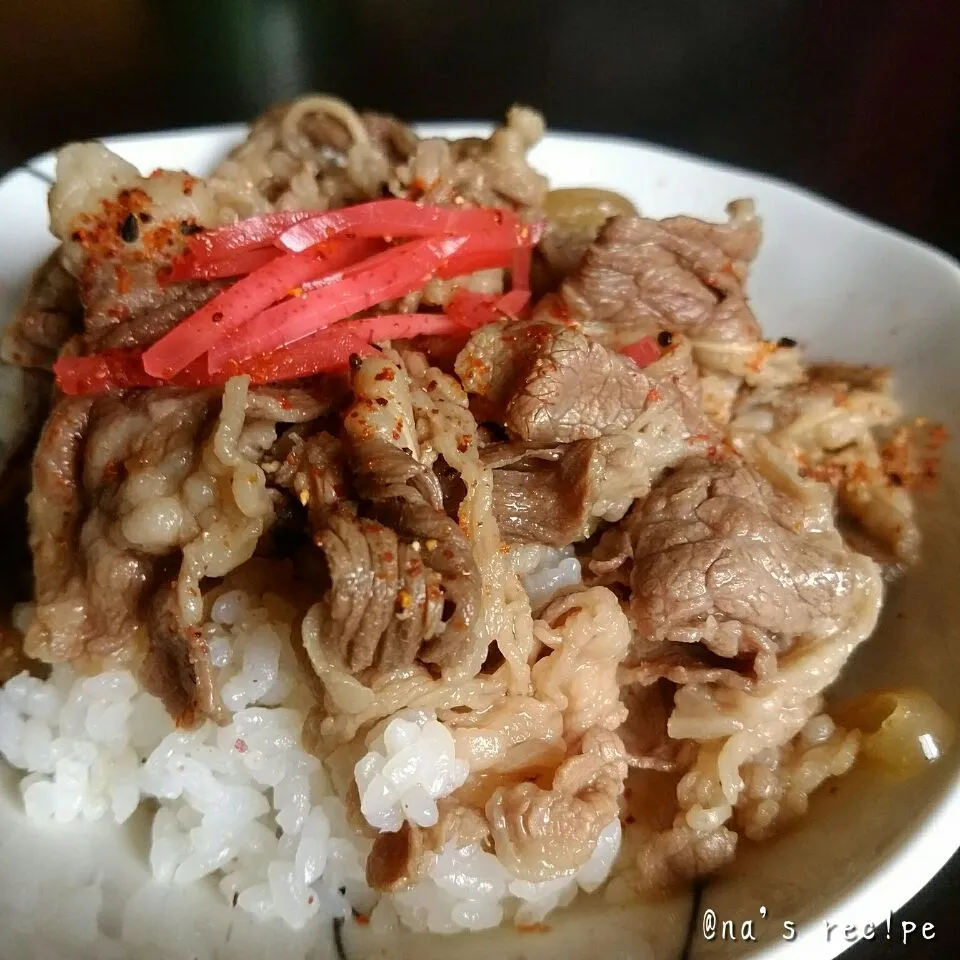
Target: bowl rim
{"points": [[920, 852], [40, 163]]}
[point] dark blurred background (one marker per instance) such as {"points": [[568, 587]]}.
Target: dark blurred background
{"points": [[857, 99]]}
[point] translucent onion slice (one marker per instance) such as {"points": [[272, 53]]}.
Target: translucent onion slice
{"points": [[904, 730]]}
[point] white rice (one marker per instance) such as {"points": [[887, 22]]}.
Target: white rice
{"points": [[82, 741], [546, 572], [410, 766], [469, 889], [245, 804]]}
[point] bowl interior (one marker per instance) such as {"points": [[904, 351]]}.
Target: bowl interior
{"points": [[848, 289]]}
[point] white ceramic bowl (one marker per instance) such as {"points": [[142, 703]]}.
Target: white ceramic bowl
{"points": [[849, 289]]}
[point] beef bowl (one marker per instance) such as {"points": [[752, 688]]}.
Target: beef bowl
{"points": [[452, 540]]}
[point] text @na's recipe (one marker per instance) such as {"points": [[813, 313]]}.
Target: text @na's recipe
{"points": [[713, 927]]}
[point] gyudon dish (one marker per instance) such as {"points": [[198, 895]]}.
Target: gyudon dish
{"points": [[418, 541]]}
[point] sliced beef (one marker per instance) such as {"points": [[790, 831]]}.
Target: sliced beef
{"points": [[679, 274], [682, 664], [673, 858], [552, 384], [155, 316], [55, 501], [446, 552], [87, 585], [593, 430], [542, 494], [305, 469], [384, 472], [313, 152], [644, 732], [120, 232], [492, 172], [383, 603], [832, 427], [311, 467], [177, 666], [317, 151], [396, 860], [403, 582], [50, 313], [89, 576], [136, 500], [577, 389], [494, 359], [719, 558], [540, 834], [288, 404], [413, 509], [391, 136], [364, 571]]}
